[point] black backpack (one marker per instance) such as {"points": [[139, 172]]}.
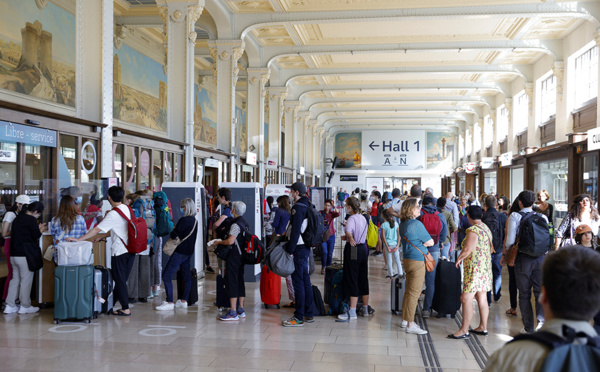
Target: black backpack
{"points": [[534, 234], [318, 305], [493, 222], [222, 231], [313, 235]]}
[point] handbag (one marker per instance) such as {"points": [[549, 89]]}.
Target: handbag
{"points": [[34, 258], [279, 261], [511, 254], [172, 244], [49, 255], [222, 251], [74, 253], [429, 261]]}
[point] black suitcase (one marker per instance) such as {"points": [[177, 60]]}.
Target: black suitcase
{"points": [[193, 297], [398, 287], [329, 274], [446, 298]]}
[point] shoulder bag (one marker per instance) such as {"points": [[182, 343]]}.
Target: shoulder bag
{"points": [[429, 261], [49, 255], [33, 254], [172, 244]]}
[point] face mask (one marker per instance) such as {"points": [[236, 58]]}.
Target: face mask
{"points": [[371, 199], [348, 210], [182, 210], [78, 200]]}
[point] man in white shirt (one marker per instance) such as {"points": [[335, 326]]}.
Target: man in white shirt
{"points": [[116, 227]]}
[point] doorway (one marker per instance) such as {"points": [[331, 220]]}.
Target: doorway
{"points": [[401, 183]]}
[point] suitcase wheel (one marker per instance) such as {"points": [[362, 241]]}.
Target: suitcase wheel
{"points": [[266, 306], [440, 316], [56, 321], [453, 316], [87, 321], [278, 306]]}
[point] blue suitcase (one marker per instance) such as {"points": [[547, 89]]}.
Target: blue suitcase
{"points": [[74, 293]]}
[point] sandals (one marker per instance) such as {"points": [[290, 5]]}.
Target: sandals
{"points": [[121, 313], [290, 305], [511, 311]]}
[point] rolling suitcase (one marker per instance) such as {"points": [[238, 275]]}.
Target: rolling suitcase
{"points": [[446, 298], [270, 288], [193, 297], [330, 272], [398, 287], [74, 293], [103, 290]]}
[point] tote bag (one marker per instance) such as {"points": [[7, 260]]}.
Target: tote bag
{"points": [[74, 253]]}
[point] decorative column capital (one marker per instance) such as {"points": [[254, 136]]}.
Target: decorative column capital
{"points": [[559, 71], [193, 13], [292, 107], [597, 36], [529, 92], [119, 35]]}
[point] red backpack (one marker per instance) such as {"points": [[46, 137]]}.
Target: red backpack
{"points": [[433, 225], [252, 248], [137, 232]]}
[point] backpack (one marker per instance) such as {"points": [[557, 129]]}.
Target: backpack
{"points": [[433, 225], [222, 231], [337, 293], [163, 224], [493, 222], [564, 355], [137, 232], [534, 234], [318, 305], [252, 249], [313, 235], [372, 234]]}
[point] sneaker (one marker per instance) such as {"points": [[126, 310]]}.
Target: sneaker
{"points": [[230, 316], [371, 310], [165, 306], [344, 316], [240, 312], [309, 319], [415, 330], [293, 322], [426, 314], [539, 326], [28, 310], [362, 311], [404, 324], [11, 309], [181, 304]]}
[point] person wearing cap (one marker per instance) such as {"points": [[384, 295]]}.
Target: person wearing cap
{"points": [[584, 236], [9, 217], [296, 247]]}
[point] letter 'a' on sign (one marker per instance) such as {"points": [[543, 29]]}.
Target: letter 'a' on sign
{"points": [[387, 161]]}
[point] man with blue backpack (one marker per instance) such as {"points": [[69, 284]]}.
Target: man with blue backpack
{"points": [[570, 296]]}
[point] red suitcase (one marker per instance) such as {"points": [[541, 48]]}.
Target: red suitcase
{"points": [[270, 288]]}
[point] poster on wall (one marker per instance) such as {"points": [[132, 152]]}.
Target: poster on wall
{"points": [[139, 89], [440, 150], [37, 50], [399, 150], [205, 116], [348, 150]]}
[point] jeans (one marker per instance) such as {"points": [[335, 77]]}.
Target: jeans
{"points": [[528, 272], [430, 283], [175, 261], [327, 251], [445, 251], [302, 286], [497, 278], [392, 257]]}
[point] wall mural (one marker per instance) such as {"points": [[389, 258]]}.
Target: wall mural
{"points": [[243, 123], [266, 123], [205, 116], [139, 89], [440, 150], [348, 150], [37, 51]]}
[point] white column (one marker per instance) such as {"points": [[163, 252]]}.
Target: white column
{"points": [[481, 124], [94, 95], [494, 134], [180, 18], [257, 78], [511, 143], [563, 124], [533, 130], [299, 127], [290, 112], [276, 96], [310, 144], [226, 53]]}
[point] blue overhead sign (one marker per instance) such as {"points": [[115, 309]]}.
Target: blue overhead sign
{"points": [[10, 132]]}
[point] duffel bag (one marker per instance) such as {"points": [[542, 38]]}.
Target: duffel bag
{"points": [[74, 253]]}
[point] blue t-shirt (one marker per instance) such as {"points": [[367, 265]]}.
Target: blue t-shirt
{"points": [[391, 234], [416, 233]]}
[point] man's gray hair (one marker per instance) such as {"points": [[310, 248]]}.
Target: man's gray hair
{"points": [[190, 208], [238, 207]]}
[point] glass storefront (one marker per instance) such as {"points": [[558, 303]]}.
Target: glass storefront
{"points": [[130, 169], [145, 169], [589, 167], [403, 184], [489, 183], [8, 176], [552, 176], [516, 182], [157, 170]]}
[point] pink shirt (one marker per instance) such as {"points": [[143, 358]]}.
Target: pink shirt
{"points": [[357, 226]]}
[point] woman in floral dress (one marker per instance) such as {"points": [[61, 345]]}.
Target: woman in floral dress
{"points": [[476, 254]]}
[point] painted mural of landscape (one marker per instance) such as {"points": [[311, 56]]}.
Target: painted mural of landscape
{"points": [[243, 123], [37, 51], [348, 150], [139, 89], [205, 116], [440, 150]]}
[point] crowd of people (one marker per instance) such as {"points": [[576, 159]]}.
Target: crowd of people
{"points": [[415, 231]]}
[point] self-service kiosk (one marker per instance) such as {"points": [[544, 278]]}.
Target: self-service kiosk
{"points": [[176, 192], [252, 194], [318, 195]]}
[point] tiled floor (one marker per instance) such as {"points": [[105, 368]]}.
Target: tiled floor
{"points": [[195, 340]]}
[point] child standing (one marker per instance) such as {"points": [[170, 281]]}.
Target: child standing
{"points": [[391, 242]]}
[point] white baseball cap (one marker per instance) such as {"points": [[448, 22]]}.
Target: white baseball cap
{"points": [[23, 199]]}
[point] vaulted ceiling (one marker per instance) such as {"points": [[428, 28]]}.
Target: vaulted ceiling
{"points": [[355, 62]]}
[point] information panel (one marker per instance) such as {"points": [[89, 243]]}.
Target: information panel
{"points": [[400, 150]]}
